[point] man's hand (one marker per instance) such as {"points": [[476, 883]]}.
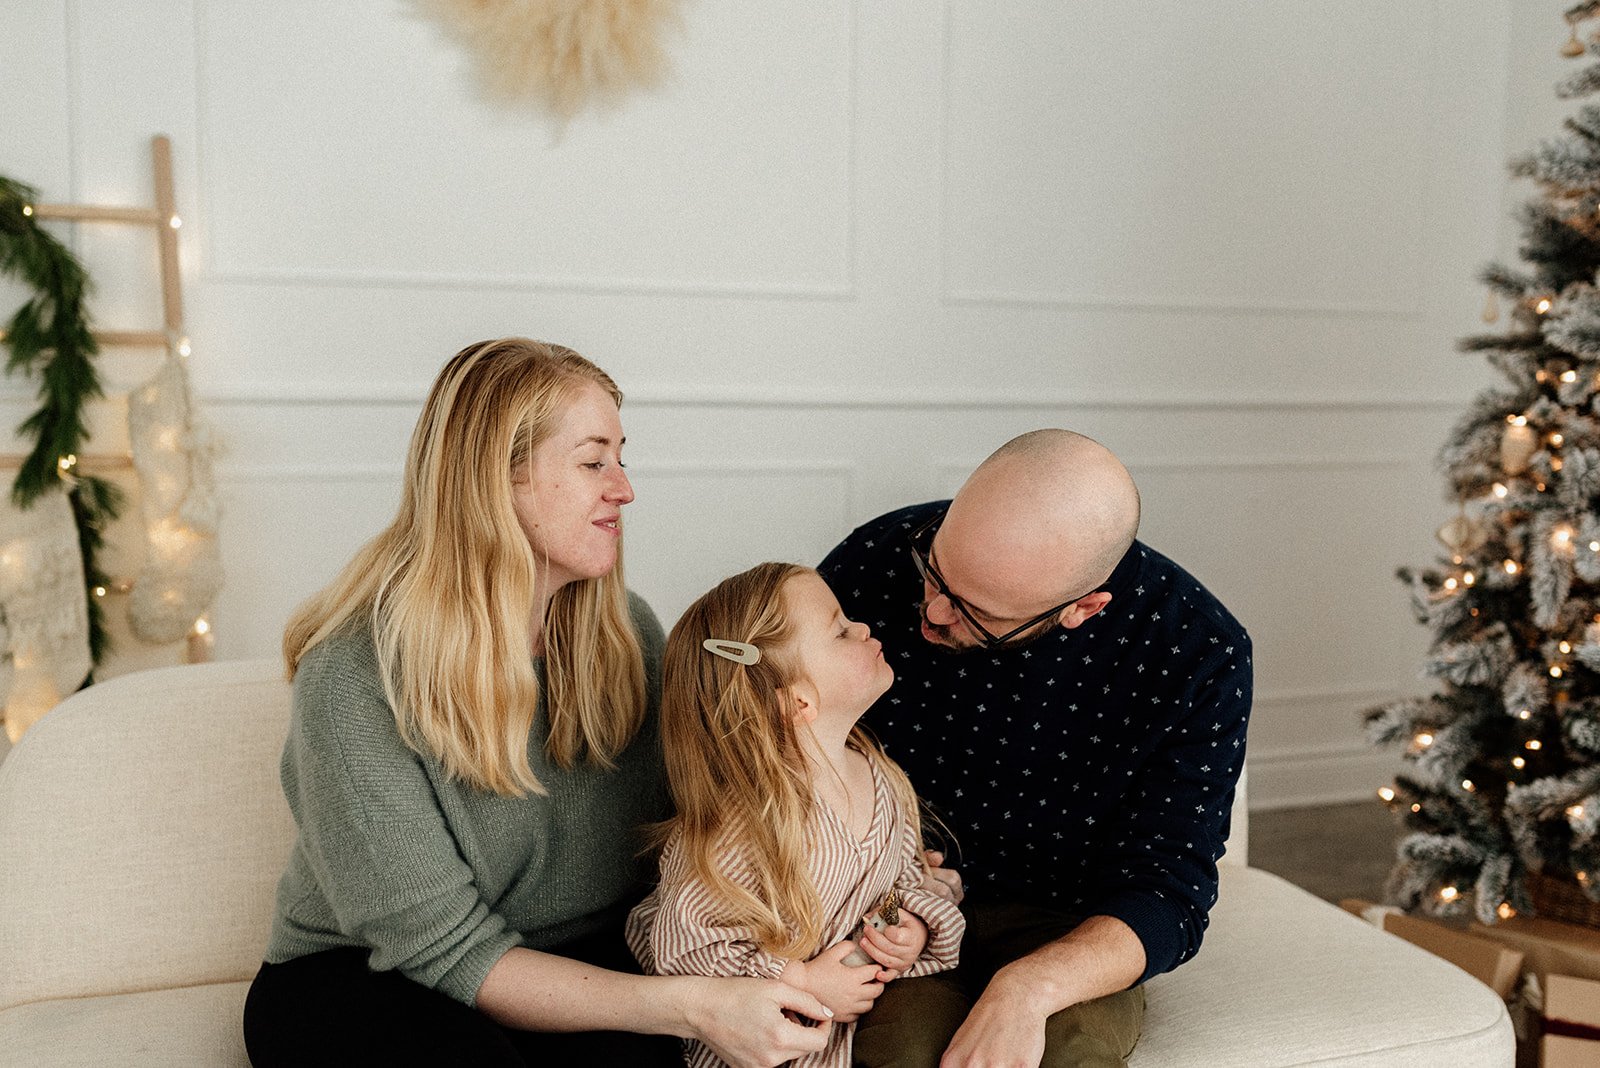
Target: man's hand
{"points": [[743, 1021], [896, 948], [1001, 1031], [946, 882], [849, 990]]}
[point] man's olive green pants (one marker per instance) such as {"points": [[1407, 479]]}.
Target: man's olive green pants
{"points": [[914, 1020]]}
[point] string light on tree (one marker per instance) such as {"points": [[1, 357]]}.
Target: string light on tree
{"points": [[50, 336], [172, 451], [1503, 615]]}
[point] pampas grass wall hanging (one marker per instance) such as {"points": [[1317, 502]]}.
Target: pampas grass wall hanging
{"points": [[565, 55]]}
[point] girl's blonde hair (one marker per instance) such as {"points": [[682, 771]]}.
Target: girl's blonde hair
{"points": [[450, 584], [736, 765]]}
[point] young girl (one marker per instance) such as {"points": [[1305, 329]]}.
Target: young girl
{"points": [[792, 826]]}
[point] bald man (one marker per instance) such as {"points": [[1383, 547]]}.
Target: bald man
{"points": [[1073, 705]]}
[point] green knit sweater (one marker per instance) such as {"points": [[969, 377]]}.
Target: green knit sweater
{"points": [[439, 879]]}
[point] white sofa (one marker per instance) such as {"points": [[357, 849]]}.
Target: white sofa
{"points": [[142, 831]]}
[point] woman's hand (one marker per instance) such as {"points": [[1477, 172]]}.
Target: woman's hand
{"points": [[848, 989], [946, 882], [744, 1021], [896, 948]]}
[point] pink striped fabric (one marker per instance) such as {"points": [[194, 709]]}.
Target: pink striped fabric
{"points": [[675, 931]]}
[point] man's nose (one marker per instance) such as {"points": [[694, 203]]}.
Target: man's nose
{"points": [[940, 611]]}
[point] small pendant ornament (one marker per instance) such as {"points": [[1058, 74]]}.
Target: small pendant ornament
{"points": [[1462, 535], [1491, 308], [1574, 47], [1518, 443]]}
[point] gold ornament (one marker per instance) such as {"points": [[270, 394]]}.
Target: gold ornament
{"points": [[1517, 445], [1491, 308], [1462, 535], [1574, 47]]}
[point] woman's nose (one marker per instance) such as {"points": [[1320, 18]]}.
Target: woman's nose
{"points": [[620, 490]]}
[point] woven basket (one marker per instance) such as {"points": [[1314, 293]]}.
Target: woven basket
{"points": [[1562, 899]]}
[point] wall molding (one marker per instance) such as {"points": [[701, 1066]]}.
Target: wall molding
{"points": [[660, 395], [214, 270], [1333, 772], [342, 472], [1410, 313], [331, 472], [1289, 463], [1325, 776], [374, 279], [1402, 311]]}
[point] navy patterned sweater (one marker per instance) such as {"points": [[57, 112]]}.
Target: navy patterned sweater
{"points": [[1091, 770]]}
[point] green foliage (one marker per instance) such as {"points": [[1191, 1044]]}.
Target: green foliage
{"points": [[49, 338], [1502, 774]]}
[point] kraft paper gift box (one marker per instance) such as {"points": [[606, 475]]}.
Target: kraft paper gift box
{"points": [[1571, 1023]]}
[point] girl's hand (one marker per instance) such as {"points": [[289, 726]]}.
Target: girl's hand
{"points": [[849, 990], [896, 948]]}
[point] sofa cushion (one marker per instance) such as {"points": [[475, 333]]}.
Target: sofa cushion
{"points": [[1285, 978], [191, 1027], [143, 832]]}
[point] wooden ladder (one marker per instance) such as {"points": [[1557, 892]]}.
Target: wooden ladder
{"points": [[164, 220]]}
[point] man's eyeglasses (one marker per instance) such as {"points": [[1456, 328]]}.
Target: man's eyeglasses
{"points": [[922, 556]]}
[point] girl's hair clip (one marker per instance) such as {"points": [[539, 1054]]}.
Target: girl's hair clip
{"points": [[738, 652]]}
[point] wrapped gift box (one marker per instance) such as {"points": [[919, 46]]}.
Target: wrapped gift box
{"points": [[1571, 1023], [1550, 946]]}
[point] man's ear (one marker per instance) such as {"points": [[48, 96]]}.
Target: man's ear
{"points": [[1084, 609]]}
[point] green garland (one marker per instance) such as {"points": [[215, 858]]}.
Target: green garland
{"points": [[49, 336]]}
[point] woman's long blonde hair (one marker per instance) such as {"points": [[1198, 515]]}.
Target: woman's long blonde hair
{"points": [[449, 586], [736, 764]]}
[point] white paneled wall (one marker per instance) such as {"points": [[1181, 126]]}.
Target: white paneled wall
{"points": [[845, 252]]}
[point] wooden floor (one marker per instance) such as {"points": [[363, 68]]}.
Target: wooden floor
{"points": [[1334, 851]]}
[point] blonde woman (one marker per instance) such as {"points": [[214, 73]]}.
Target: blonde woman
{"points": [[792, 825], [472, 751]]}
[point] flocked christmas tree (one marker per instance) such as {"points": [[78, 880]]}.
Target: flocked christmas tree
{"points": [[1501, 789]]}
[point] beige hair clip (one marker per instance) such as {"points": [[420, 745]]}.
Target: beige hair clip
{"points": [[738, 652]]}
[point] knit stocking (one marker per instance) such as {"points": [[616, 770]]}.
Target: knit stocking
{"points": [[172, 451], [44, 614]]}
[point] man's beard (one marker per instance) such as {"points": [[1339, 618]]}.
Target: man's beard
{"points": [[944, 638]]}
